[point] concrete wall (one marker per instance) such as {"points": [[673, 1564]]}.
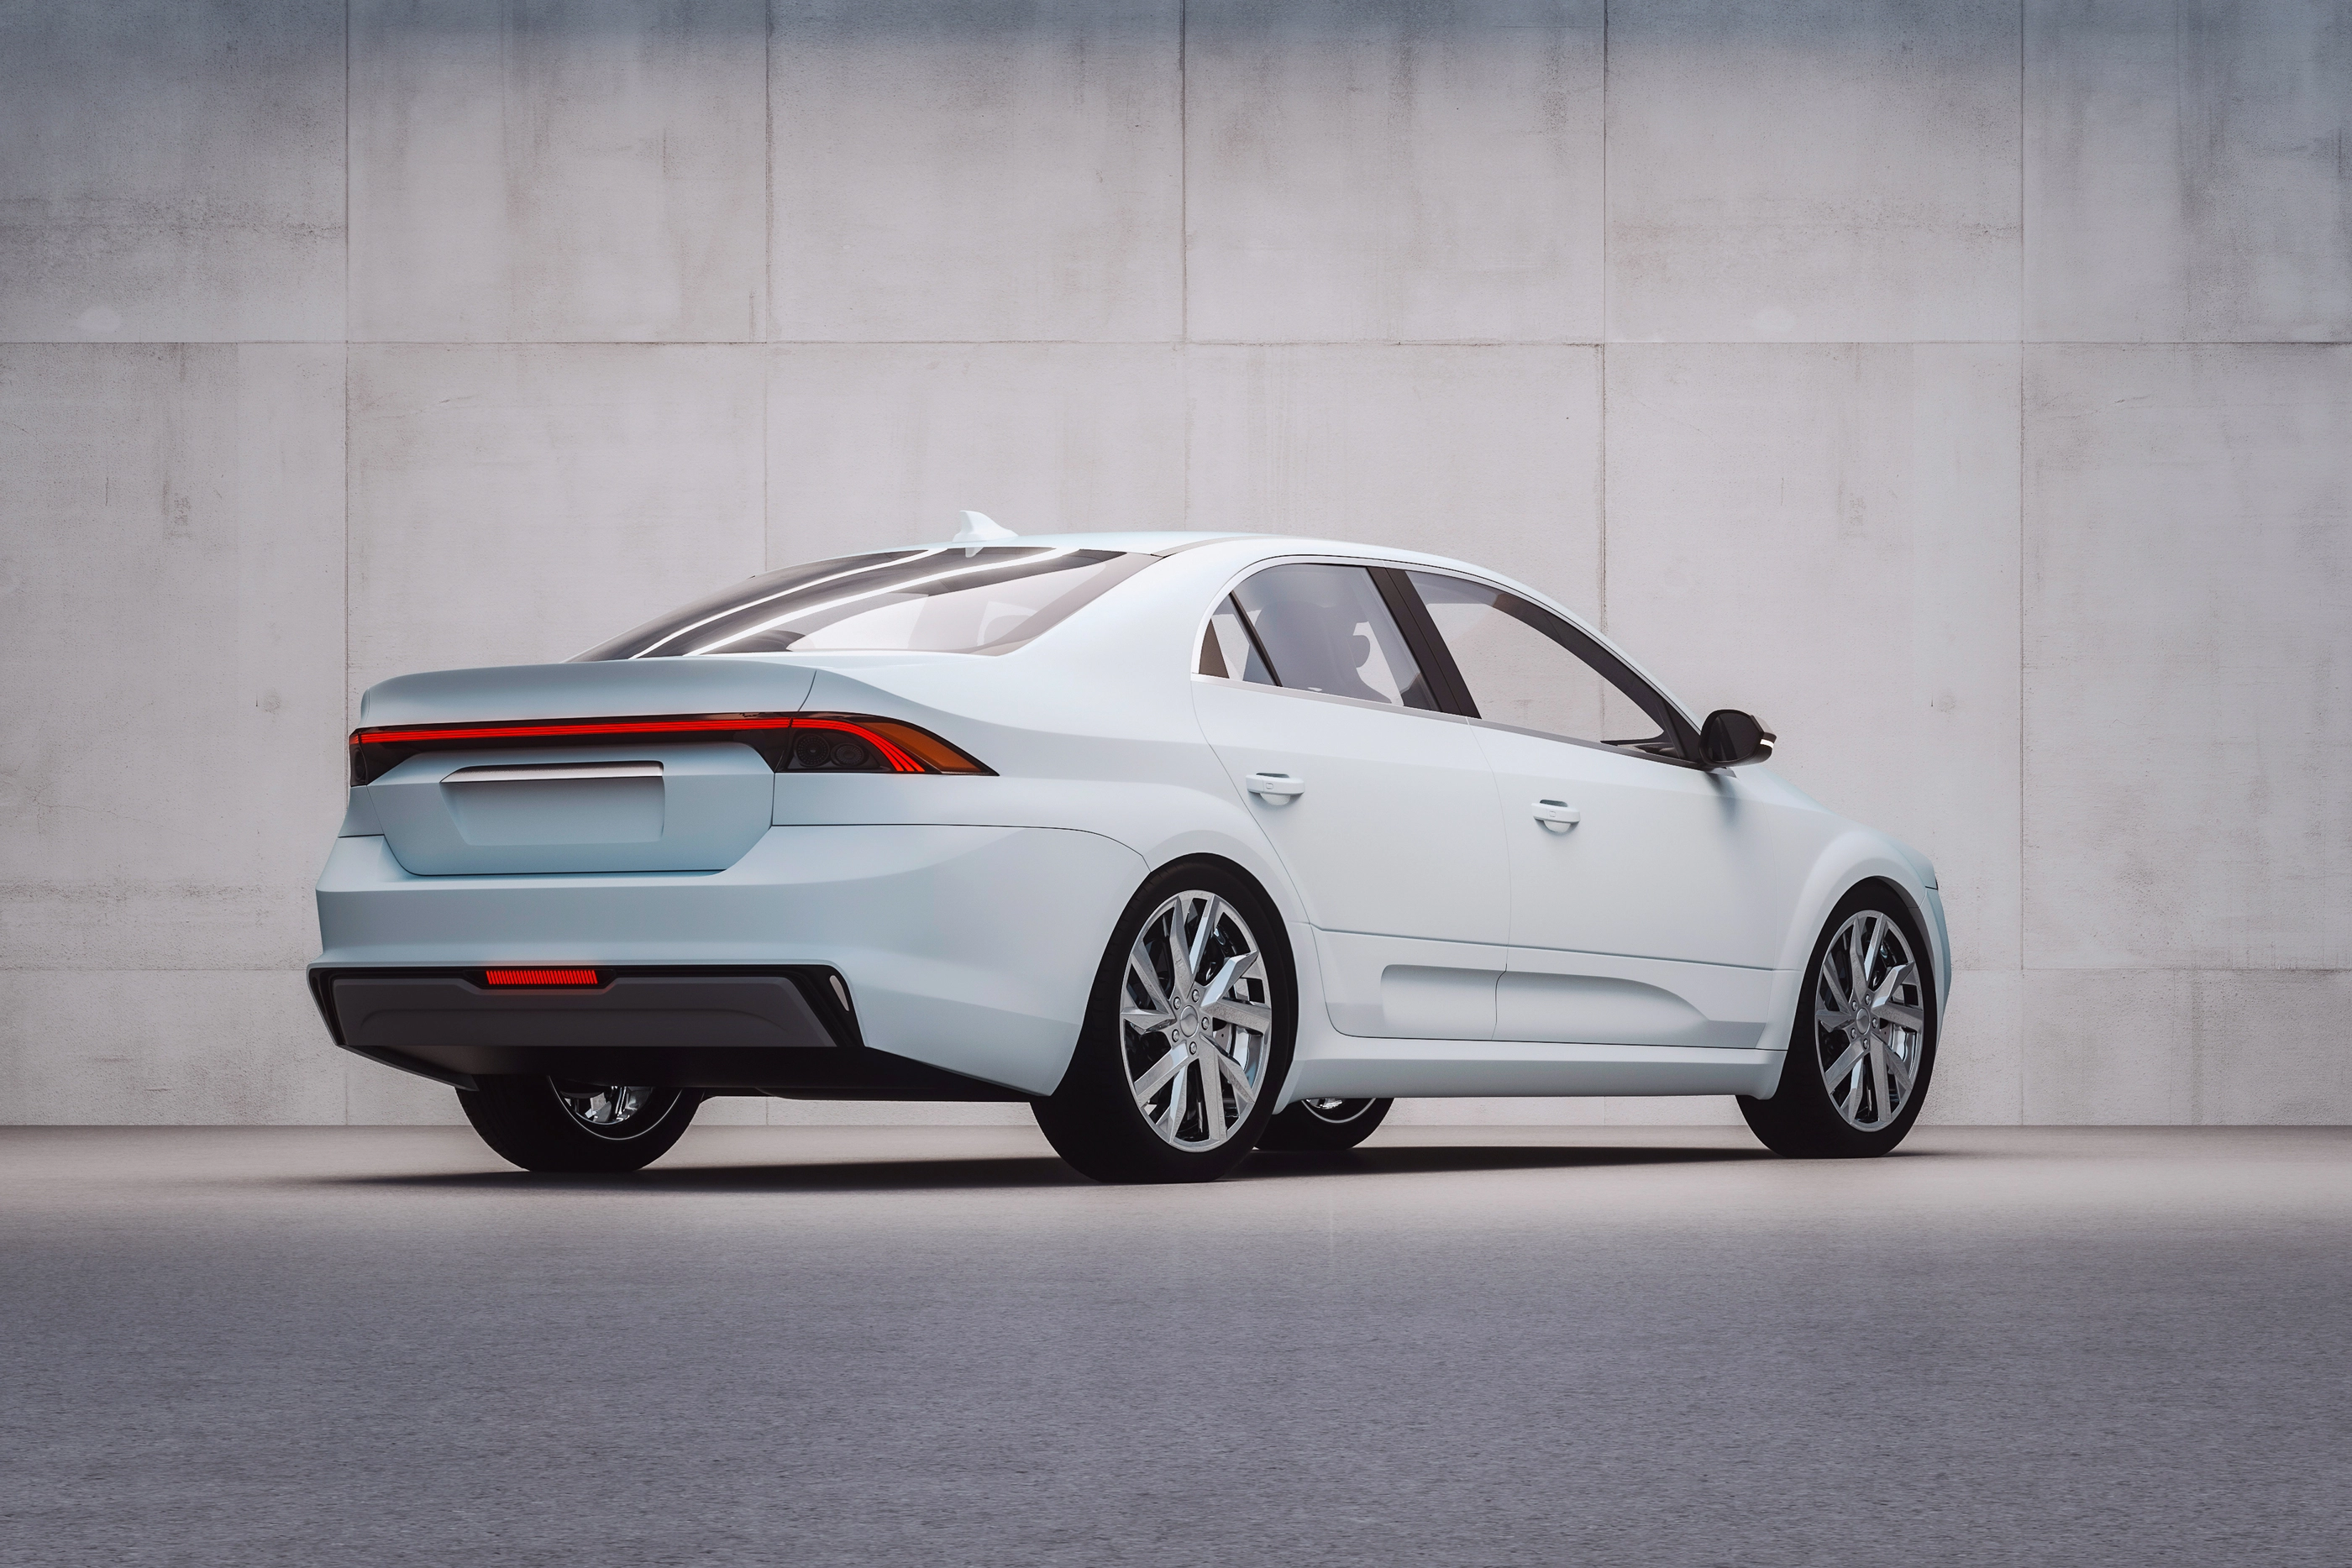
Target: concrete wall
{"points": [[1963, 385]]}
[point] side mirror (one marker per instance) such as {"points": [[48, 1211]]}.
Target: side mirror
{"points": [[1730, 738]]}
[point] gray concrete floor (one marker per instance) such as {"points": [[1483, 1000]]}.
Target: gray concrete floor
{"points": [[934, 1345]]}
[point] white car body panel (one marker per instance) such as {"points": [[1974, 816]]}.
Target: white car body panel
{"points": [[1393, 832], [878, 902], [503, 812], [1406, 990], [569, 691], [1392, 844], [1445, 943]]}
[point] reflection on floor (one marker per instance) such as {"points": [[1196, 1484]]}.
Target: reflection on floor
{"points": [[1487, 1345]]}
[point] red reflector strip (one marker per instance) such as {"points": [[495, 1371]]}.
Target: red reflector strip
{"points": [[540, 977]]}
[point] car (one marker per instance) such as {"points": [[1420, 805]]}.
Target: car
{"points": [[1196, 843]]}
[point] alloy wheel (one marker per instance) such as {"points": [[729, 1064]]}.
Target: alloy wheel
{"points": [[1869, 1020], [607, 1109], [1196, 1021]]}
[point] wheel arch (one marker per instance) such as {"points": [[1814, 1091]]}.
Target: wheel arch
{"points": [[1858, 858], [1213, 845], [1075, 1116], [1306, 975], [1284, 917], [1930, 929]]}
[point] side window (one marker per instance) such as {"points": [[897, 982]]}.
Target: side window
{"points": [[1317, 628], [1528, 668], [1226, 649]]}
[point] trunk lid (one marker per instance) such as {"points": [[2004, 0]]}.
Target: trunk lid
{"points": [[610, 804], [608, 689]]}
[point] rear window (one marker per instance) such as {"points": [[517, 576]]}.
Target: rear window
{"points": [[957, 599]]}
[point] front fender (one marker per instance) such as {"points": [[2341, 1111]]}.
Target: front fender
{"points": [[1857, 855]]}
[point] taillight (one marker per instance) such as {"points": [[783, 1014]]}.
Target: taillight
{"points": [[848, 745], [540, 977], [796, 743]]}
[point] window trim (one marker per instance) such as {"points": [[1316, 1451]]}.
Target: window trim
{"points": [[1256, 642], [1209, 645], [1421, 635]]}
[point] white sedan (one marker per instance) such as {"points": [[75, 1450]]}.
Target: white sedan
{"points": [[1196, 843]]}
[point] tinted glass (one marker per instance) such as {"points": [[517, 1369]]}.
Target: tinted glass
{"points": [[1325, 628], [952, 599], [1226, 649], [1528, 668]]}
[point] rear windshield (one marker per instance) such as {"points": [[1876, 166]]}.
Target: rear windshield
{"points": [[953, 598]]}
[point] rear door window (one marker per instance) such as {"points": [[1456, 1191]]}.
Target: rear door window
{"points": [[1228, 649], [1314, 627]]}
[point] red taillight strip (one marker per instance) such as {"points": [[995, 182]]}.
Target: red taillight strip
{"points": [[540, 977], [629, 726], [899, 757]]}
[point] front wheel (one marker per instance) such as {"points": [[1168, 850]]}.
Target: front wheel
{"points": [[1864, 1040], [555, 1124], [1324, 1124], [1186, 1034]]}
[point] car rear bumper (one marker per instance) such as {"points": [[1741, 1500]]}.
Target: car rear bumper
{"points": [[784, 1031], [970, 950]]}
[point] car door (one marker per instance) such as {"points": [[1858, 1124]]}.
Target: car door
{"points": [[1381, 806], [1648, 895]]}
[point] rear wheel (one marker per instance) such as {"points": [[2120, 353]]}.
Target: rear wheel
{"points": [[1324, 1124], [1864, 1040], [1187, 1035], [556, 1125]]}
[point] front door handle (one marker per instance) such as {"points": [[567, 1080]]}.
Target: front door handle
{"points": [[1557, 816], [1276, 788]]}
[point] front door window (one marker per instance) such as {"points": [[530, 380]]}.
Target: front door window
{"points": [[1528, 668]]}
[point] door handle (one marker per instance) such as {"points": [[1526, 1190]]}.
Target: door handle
{"points": [[1277, 787], [1557, 816]]}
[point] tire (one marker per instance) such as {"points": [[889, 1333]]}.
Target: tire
{"points": [[547, 1125], [1844, 1093], [1324, 1124], [1123, 1112]]}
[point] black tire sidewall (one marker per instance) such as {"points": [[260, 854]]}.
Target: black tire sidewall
{"points": [[523, 1118], [1298, 1129], [1801, 1119], [1092, 1118]]}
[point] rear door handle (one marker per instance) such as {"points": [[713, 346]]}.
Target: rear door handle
{"points": [[1277, 788], [1558, 816]]}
